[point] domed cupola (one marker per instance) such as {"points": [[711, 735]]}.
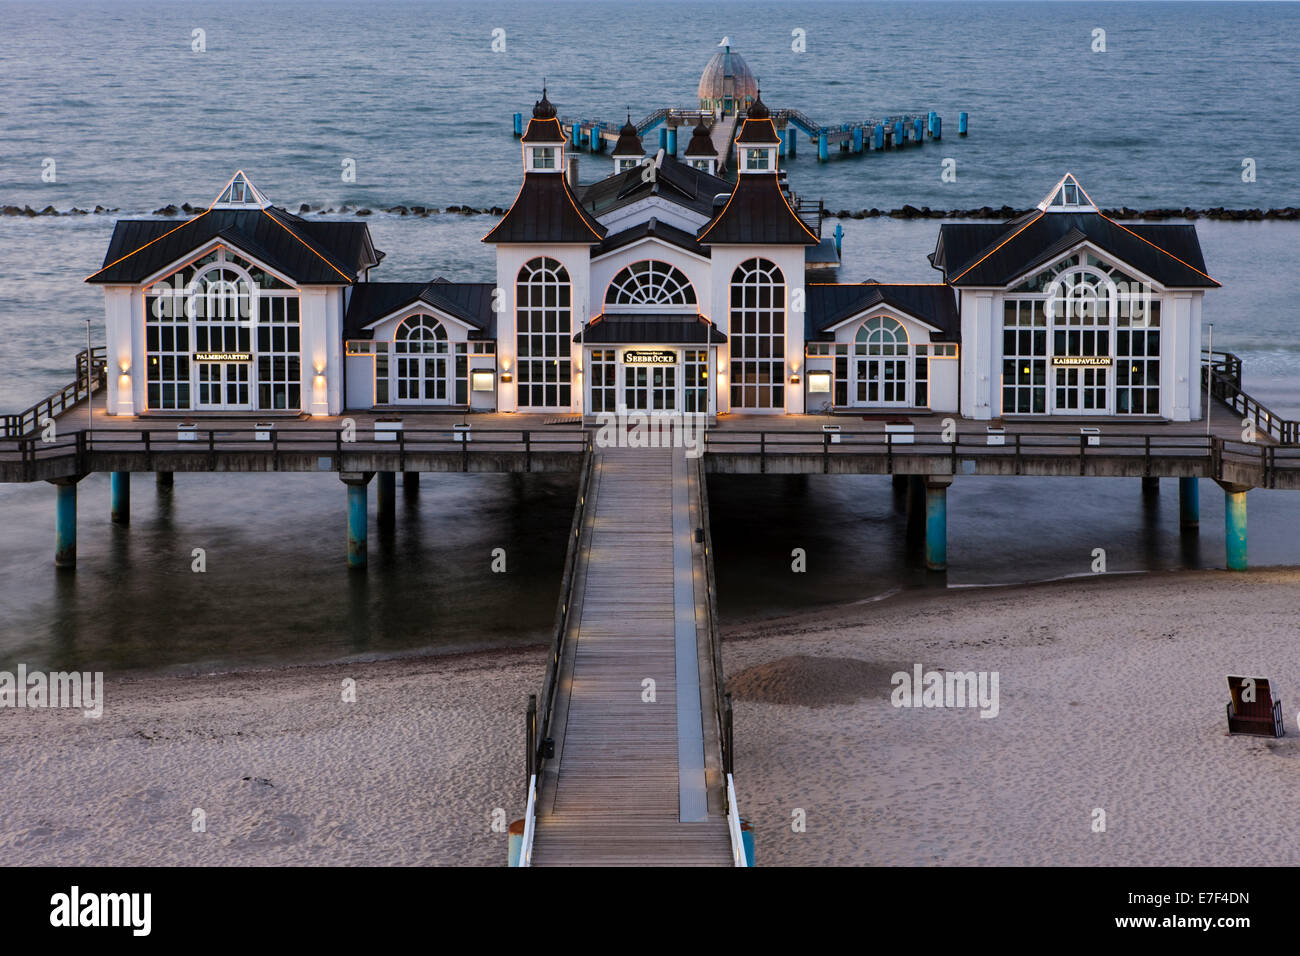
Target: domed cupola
{"points": [[544, 139], [628, 151], [727, 86], [700, 153]]}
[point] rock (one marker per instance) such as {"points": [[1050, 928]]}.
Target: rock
{"points": [[166, 211], [49, 211], [860, 214], [11, 211], [364, 212]]}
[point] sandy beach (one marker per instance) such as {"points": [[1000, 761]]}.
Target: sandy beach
{"points": [[1112, 696]]}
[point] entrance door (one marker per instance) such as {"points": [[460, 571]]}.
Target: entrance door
{"points": [[1082, 390], [223, 385], [650, 388], [422, 379], [882, 381]]}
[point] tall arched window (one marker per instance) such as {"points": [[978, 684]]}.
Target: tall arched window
{"points": [[221, 308], [880, 362], [650, 283], [421, 350], [543, 316], [757, 335]]}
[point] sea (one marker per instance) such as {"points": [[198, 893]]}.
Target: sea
{"points": [[136, 104]]}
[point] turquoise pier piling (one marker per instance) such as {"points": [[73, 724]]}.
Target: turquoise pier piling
{"points": [[519, 124], [793, 144], [839, 236], [900, 138], [671, 145], [936, 525], [823, 149], [961, 125], [938, 127], [1234, 525], [857, 139], [663, 139], [1189, 502], [386, 495], [594, 141], [119, 484], [65, 523], [918, 131], [782, 135], [575, 136], [358, 484], [878, 136], [929, 122]]}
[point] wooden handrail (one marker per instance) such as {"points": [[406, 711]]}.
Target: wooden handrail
{"points": [[29, 420]]}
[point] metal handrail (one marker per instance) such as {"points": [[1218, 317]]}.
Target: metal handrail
{"points": [[29, 420], [1221, 371]]}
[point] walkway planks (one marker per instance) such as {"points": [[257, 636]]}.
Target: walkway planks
{"points": [[628, 782]]}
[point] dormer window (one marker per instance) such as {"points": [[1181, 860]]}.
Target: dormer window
{"points": [[544, 157], [623, 165], [1067, 196], [760, 160]]}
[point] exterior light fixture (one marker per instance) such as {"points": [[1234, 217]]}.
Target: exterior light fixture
{"points": [[819, 381], [482, 380]]}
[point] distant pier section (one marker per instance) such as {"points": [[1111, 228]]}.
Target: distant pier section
{"points": [[727, 89]]}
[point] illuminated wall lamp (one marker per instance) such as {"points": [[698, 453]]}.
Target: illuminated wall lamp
{"points": [[483, 380], [819, 381]]}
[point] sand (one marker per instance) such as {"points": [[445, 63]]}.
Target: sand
{"points": [[1111, 696]]}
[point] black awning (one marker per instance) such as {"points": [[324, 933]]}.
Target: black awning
{"points": [[651, 330]]}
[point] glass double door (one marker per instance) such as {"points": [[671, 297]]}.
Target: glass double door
{"points": [[650, 388], [1082, 390], [224, 386], [881, 381]]}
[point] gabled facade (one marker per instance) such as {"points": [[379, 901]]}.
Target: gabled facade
{"points": [[661, 289]]}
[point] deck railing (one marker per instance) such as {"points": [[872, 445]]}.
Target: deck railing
{"points": [[539, 746], [1225, 369], [28, 421]]}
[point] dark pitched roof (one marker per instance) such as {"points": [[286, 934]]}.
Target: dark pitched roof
{"points": [[980, 254], [650, 329], [652, 227], [546, 211], [828, 304], [308, 252], [544, 127], [371, 301], [674, 180], [701, 144], [758, 132], [758, 212]]}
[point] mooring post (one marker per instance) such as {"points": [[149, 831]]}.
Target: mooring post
{"points": [[119, 484], [1234, 524], [166, 480], [65, 522], [358, 484], [936, 522], [386, 490], [961, 125], [1189, 503]]}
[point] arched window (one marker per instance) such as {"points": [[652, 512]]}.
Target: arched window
{"points": [[650, 283], [881, 336], [757, 335], [421, 351], [543, 317]]}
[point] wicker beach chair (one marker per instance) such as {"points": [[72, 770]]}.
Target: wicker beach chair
{"points": [[1253, 708]]}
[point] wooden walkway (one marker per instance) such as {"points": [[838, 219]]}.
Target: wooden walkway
{"points": [[636, 782]]}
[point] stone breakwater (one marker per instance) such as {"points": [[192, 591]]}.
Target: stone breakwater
{"points": [[905, 212]]}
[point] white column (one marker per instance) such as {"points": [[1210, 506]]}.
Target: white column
{"points": [[123, 345], [1179, 367]]}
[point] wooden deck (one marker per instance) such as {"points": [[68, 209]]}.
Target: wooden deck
{"points": [[634, 782]]}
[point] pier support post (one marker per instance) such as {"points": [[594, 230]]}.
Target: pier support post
{"points": [[1189, 503], [1234, 524], [65, 522], [961, 124], [857, 139], [120, 493], [938, 127], [386, 491], [918, 131], [671, 145], [823, 148], [519, 125], [900, 138], [663, 138], [792, 144], [166, 480], [1150, 486], [410, 483], [936, 522], [358, 484]]}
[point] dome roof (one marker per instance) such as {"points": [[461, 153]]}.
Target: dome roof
{"points": [[726, 74]]}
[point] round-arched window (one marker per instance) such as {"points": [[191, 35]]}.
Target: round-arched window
{"points": [[650, 282], [881, 336]]}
